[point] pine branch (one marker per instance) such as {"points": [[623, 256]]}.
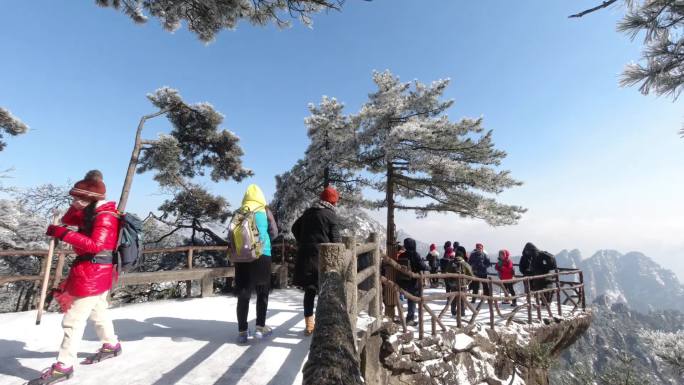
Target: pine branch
{"points": [[604, 4]]}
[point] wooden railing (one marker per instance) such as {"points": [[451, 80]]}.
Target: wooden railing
{"points": [[533, 301], [188, 274], [334, 355]]}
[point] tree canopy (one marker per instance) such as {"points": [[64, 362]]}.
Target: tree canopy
{"points": [[206, 18], [195, 146]]}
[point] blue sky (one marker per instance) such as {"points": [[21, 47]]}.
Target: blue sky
{"points": [[602, 165]]}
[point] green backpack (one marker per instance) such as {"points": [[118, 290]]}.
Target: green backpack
{"points": [[243, 236]]}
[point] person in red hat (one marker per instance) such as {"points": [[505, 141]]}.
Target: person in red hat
{"points": [[433, 261], [83, 294], [318, 224]]}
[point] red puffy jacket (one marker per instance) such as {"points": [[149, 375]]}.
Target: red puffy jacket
{"points": [[85, 277], [505, 266]]}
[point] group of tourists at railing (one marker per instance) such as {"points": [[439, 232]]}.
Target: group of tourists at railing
{"points": [[456, 260], [92, 227]]}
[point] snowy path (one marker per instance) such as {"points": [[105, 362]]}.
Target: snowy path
{"points": [[185, 342]]}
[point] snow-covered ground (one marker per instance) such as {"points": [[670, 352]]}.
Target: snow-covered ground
{"points": [[168, 342], [186, 342]]}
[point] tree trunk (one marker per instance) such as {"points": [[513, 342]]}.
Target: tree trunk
{"points": [[389, 197], [133, 164]]}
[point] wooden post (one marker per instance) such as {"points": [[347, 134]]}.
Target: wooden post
{"points": [[489, 301], [581, 278], [375, 308], [526, 283], [188, 283], [350, 280], [58, 270], [421, 310], [47, 265], [459, 301], [207, 286], [558, 294]]}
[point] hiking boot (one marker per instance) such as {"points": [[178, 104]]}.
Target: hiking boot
{"points": [[310, 325], [105, 352], [411, 322], [514, 304], [242, 337], [262, 332], [56, 373]]}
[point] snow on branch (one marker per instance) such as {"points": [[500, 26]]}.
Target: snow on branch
{"points": [[206, 18], [11, 125]]}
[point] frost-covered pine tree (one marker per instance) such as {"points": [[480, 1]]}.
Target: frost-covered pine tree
{"points": [[425, 162], [20, 228], [207, 17], [661, 23], [11, 125], [330, 159], [668, 347], [196, 145]]}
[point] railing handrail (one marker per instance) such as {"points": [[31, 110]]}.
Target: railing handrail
{"points": [[156, 250]]}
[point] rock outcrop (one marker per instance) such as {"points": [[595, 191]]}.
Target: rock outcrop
{"points": [[517, 354]]}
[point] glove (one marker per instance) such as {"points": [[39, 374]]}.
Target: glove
{"points": [[57, 231]]}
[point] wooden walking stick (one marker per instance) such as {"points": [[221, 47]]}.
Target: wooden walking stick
{"points": [[47, 265]]}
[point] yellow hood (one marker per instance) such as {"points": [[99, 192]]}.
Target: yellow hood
{"points": [[254, 198]]}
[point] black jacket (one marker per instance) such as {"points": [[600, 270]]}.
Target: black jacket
{"points": [[318, 224], [415, 263], [530, 251]]}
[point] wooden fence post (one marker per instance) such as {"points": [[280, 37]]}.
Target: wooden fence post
{"points": [[421, 310], [558, 294], [188, 284], [526, 283], [581, 278], [489, 301], [58, 270], [350, 280], [459, 304], [375, 308]]}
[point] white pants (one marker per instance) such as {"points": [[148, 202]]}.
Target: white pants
{"points": [[74, 322]]}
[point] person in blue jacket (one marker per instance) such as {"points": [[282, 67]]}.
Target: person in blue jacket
{"points": [[256, 275]]}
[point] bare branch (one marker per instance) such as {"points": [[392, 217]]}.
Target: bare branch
{"points": [[604, 4]]}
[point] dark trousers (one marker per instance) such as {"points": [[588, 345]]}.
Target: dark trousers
{"points": [[454, 302], [475, 287], [309, 298], [511, 290], [249, 277], [244, 295], [411, 313]]}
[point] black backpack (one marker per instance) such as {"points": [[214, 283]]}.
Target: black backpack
{"points": [[405, 261], [542, 263], [128, 248]]}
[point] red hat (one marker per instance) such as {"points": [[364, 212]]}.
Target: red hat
{"points": [[433, 247], [450, 252], [91, 188], [330, 195], [479, 246]]}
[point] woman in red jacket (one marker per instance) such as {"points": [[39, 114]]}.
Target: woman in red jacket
{"points": [[506, 271], [83, 294]]}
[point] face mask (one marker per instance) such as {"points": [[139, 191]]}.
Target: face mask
{"points": [[79, 204]]}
